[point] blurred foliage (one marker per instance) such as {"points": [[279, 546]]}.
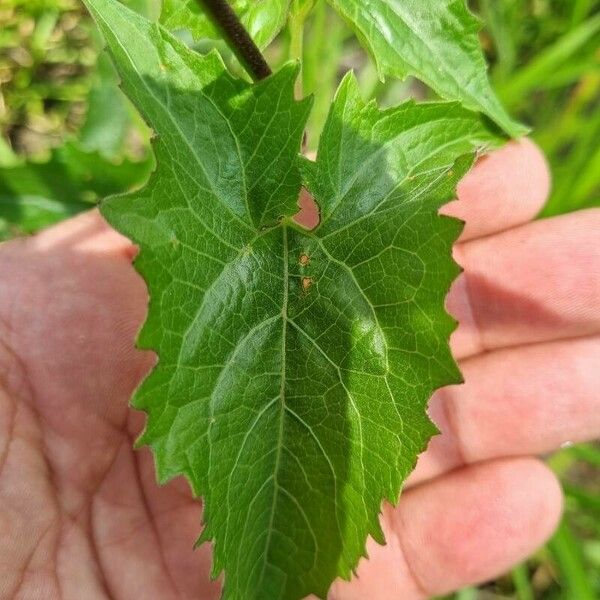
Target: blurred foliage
{"points": [[46, 63], [546, 68], [34, 195], [68, 136]]}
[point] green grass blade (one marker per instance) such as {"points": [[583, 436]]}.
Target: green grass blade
{"points": [[588, 453], [566, 553], [495, 15], [466, 594], [585, 499], [580, 10], [552, 58], [520, 577]]}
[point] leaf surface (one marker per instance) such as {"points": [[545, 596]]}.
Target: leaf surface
{"points": [[434, 40], [263, 19], [294, 366]]}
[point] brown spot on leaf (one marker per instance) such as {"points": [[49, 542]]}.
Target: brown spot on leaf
{"points": [[306, 283], [304, 260]]}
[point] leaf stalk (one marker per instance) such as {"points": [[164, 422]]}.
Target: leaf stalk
{"points": [[299, 12], [238, 38]]}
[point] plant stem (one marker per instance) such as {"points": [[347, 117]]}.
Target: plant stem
{"points": [[297, 47], [243, 46], [324, 44], [520, 578], [299, 11]]}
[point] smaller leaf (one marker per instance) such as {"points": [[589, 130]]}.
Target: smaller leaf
{"points": [[263, 20], [434, 40]]}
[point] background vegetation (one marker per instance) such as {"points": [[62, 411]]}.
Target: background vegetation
{"points": [[68, 136]]}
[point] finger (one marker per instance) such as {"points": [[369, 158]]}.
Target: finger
{"points": [[529, 400], [461, 529], [506, 188], [538, 282]]}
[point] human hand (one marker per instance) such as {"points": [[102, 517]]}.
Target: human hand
{"points": [[81, 516]]}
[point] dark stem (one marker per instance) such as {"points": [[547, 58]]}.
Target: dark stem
{"points": [[237, 37]]}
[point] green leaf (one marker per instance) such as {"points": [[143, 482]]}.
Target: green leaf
{"points": [[294, 366], [34, 195], [567, 555], [522, 583], [263, 19], [434, 40]]}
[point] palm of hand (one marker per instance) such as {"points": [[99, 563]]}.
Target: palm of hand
{"points": [[81, 516]]}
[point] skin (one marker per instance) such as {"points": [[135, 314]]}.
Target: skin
{"points": [[81, 516]]}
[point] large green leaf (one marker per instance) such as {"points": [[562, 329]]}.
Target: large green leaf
{"points": [[263, 19], [294, 366], [434, 40]]}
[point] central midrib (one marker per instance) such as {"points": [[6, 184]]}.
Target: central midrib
{"points": [[284, 325]]}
